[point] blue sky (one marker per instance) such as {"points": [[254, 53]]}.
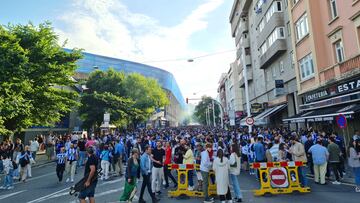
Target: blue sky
{"points": [[143, 31]]}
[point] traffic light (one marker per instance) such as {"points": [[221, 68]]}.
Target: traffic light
{"points": [[187, 100]]}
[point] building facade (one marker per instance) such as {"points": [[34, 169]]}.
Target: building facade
{"points": [[326, 43], [222, 95], [234, 97], [173, 113], [261, 30]]}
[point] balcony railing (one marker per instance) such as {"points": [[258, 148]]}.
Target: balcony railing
{"points": [[350, 64]]}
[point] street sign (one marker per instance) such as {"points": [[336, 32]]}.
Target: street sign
{"points": [[278, 178], [341, 121], [250, 121]]}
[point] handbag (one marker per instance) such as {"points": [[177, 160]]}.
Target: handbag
{"points": [[32, 161]]}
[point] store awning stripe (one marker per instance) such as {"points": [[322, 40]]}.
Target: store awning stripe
{"points": [[318, 116]]}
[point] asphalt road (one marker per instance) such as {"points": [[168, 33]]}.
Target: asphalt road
{"points": [[43, 187]]}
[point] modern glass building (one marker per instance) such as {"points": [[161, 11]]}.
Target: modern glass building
{"points": [[172, 113]]}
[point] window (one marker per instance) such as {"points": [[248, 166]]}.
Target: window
{"points": [[281, 32], [339, 51], [333, 9], [358, 34], [263, 49], [306, 67], [273, 71], [261, 25], [281, 66], [247, 51], [288, 28], [292, 59], [302, 27]]}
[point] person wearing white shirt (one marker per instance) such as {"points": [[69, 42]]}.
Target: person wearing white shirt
{"points": [[34, 147]]}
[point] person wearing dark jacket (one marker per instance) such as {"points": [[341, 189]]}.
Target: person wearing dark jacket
{"points": [[307, 146], [131, 175]]}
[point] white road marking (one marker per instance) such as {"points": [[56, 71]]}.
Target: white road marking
{"points": [[47, 196], [35, 178], [11, 194], [111, 182], [108, 192]]}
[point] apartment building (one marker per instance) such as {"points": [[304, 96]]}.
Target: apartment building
{"points": [[231, 96], [326, 44], [261, 28]]}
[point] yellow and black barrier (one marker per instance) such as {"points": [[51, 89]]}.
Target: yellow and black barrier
{"points": [[279, 178], [183, 183]]}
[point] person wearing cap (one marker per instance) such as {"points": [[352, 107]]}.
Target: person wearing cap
{"points": [[320, 155], [132, 173]]}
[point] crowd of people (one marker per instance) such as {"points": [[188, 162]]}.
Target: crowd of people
{"points": [[148, 152]]}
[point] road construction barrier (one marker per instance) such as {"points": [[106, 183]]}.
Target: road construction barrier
{"points": [[183, 183], [279, 178]]}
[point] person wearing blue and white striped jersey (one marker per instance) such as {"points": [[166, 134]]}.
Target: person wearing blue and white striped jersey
{"points": [[72, 157], [60, 164]]}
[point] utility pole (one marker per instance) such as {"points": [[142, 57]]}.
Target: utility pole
{"points": [[246, 87]]}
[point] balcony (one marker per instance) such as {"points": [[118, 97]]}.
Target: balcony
{"points": [[245, 40], [272, 53], [240, 9], [244, 25], [340, 71], [276, 20], [249, 76], [248, 60]]}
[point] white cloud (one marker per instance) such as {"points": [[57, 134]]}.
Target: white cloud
{"points": [[109, 28]]}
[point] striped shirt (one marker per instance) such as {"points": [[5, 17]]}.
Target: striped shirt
{"points": [[61, 158], [71, 154]]}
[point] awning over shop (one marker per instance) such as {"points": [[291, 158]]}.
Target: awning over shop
{"points": [[324, 114], [261, 119]]}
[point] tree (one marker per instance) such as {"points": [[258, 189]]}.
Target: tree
{"points": [[104, 96], [128, 98], [200, 111], [147, 94], [34, 71]]}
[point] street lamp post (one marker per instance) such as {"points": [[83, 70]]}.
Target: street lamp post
{"points": [[213, 108], [246, 87]]}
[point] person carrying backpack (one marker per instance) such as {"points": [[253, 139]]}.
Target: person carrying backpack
{"points": [[24, 161]]}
